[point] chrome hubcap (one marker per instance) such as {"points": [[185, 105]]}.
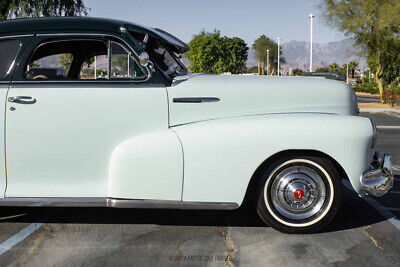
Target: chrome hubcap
{"points": [[298, 192]]}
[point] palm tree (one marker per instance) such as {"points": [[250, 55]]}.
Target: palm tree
{"points": [[353, 66], [261, 45], [334, 67]]}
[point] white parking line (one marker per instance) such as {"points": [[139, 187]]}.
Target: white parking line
{"points": [[18, 237], [385, 212], [388, 127]]}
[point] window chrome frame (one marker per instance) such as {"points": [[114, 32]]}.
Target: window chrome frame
{"points": [[106, 35], [110, 53]]}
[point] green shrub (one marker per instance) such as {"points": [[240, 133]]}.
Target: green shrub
{"points": [[367, 87], [392, 95]]}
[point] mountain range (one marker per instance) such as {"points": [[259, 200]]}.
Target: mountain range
{"points": [[297, 54]]}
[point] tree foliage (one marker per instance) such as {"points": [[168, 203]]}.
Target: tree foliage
{"points": [[297, 72], [334, 67], [65, 61], [38, 8], [374, 25], [261, 45], [212, 53], [353, 66], [392, 71], [322, 69]]}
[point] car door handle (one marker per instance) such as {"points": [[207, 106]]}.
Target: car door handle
{"points": [[22, 100], [195, 99]]}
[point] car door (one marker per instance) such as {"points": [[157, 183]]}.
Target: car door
{"points": [[62, 130], [10, 49]]}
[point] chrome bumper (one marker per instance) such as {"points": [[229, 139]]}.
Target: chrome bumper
{"points": [[379, 179]]}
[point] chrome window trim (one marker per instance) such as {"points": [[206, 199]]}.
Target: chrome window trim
{"points": [[100, 83], [109, 59], [104, 35], [16, 36], [37, 47], [126, 50], [116, 203]]}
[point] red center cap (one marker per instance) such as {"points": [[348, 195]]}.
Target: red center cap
{"points": [[299, 194]]}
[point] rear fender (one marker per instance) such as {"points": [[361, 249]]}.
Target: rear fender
{"points": [[148, 166]]}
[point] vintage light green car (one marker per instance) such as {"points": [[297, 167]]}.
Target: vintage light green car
{"points": [[99, 112]]}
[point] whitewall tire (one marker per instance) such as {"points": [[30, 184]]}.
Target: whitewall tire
{"points": [[299, 194]]}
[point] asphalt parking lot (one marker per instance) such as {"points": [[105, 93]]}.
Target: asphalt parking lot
{"points": [[365, 232]]}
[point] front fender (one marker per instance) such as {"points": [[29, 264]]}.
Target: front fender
{"points": [[222, 155]]}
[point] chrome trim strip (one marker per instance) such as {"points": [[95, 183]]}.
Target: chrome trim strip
{"points": [[54, 202], [16, 36], [195, 99], [116, 203]]}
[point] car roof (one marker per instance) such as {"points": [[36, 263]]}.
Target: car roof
{"points": [[84, 24]]}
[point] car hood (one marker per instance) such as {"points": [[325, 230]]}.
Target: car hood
{"points": [[243, 95]]}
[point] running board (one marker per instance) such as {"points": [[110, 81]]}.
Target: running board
{"points": [[116, 203]]}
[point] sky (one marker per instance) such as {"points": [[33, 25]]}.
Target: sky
{"points": [[247, 19]]}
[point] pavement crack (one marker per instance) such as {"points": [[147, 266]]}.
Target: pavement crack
{"points": [[376, 243], [230, 245]]}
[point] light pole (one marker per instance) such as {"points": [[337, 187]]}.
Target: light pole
{"points": [[95, 67], [311, 40], [279, 55], [128, 67], [267, 62]]}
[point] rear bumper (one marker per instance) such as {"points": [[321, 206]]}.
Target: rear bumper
{"points": [[379, 179]]}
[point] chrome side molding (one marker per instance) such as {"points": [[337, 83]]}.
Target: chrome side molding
{"points": [[116, 203], [195, 99]]}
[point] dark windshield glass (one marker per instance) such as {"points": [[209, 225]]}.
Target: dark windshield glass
{"points": [[8, 52]]}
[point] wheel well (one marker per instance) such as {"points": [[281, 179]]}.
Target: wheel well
{"points": [[257, 174]]}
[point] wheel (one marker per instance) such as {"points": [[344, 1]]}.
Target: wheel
{"points": [[299, 194]]}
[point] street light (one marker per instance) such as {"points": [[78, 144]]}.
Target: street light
{"points": [[279, 54], [311, 40], [95, 67], [267, 62]]}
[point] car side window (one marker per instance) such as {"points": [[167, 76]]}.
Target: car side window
{"points": [[123, 65], [52, 67], [8, 52], [95, 68], [82, 60]]}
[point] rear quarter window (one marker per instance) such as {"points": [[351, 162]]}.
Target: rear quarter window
{"points": [[8, 52]]}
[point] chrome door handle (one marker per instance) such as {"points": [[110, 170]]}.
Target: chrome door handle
{"points": [[195, 99], [22, 100]]}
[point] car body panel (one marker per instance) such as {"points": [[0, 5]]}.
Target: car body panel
{"points": [[4, 85], [61, 146], [222, 155], [241, 95], [147, 166]]}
